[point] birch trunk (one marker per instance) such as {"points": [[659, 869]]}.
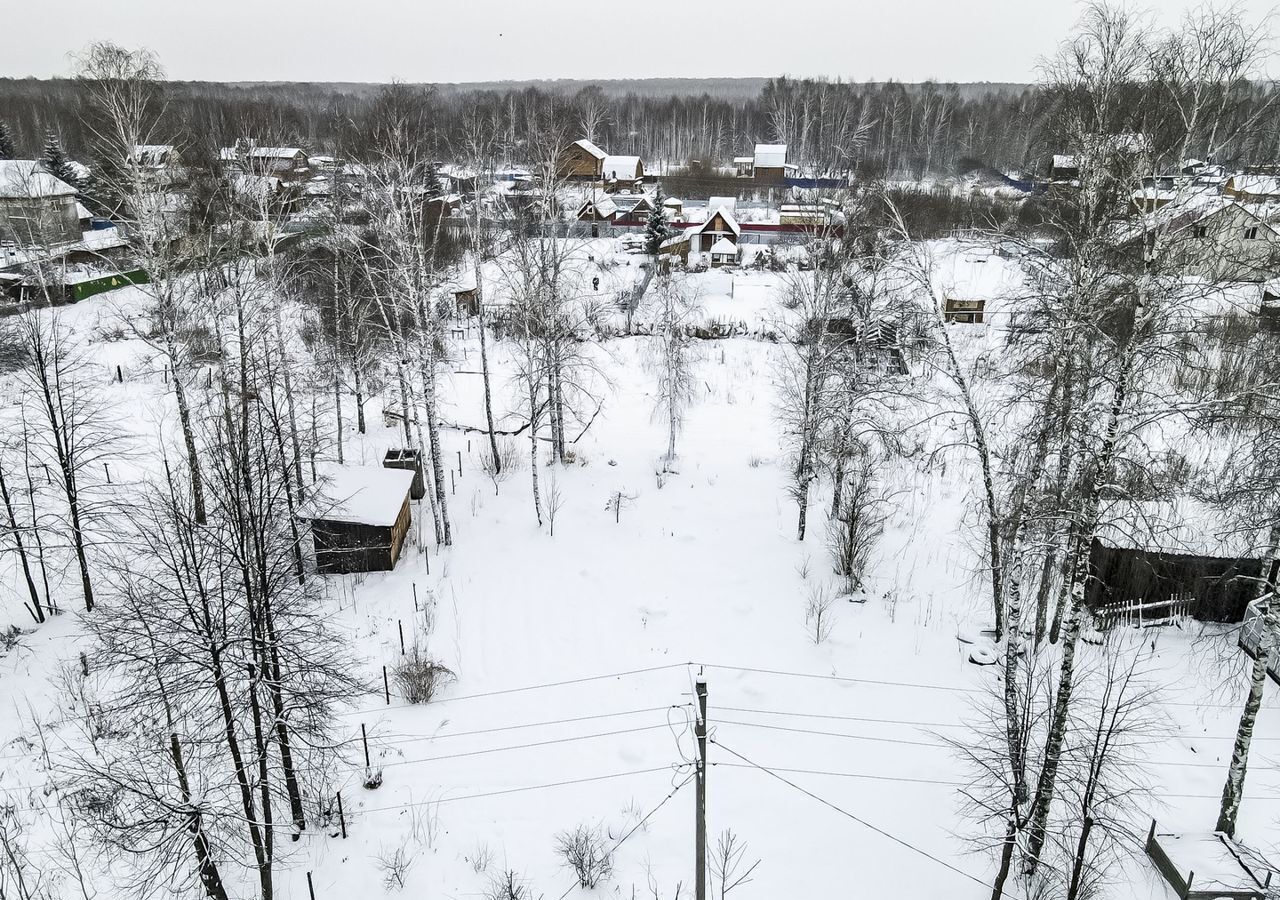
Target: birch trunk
{"points": [[484, 374], [1086, 528], [1233, 789]]}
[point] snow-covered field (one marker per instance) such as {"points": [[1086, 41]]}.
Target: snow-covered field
{"points": [[577, 654]]}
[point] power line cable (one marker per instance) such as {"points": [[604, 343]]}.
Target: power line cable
{"points": [[859, 820]]}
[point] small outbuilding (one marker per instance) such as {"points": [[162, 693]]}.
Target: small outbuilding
{"points": [[621, 173], [769, 164], [1208, 865], [723, 252], [360, 517]]}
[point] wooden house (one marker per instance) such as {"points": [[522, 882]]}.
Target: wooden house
{"points": [[36, 208], [598, 209], [1269, 306], [1214, 237], [287, 164], [1253, 188], [622, 173], [632, 209], [742, 166], [769, 164], [582, 159], [1208, 866], [360, 517], [720, 225]]}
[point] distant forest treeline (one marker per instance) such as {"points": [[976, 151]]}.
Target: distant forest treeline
{"points": [[884, 128]]}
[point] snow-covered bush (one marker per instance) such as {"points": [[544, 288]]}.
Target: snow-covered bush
{"points": [[585, 850], [419, 676]]}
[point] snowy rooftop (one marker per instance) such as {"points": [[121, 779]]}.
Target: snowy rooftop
{"points": [[590, 148], [1260, 185], [1215, 861], [624, 168], [771, 156], [728, 220], [25, 178], [365, 495], [723, 246]]}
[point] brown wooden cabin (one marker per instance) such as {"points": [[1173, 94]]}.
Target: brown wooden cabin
{"points": [[582, 159], [1207, 588], [360, 518]]}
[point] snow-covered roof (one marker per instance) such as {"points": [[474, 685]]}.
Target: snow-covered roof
{"points": [[729, 203], [770, 156], [274, 152], [27, 178], [590, 148], [743, 159], [673, 201], [153, 154], [627, 203], [605, 208], [623, 168], [1217, 862], [82, 211], [256, 187], [1257, 185], [364, 495], [728, 220], [1064, 161], [723, 246]]}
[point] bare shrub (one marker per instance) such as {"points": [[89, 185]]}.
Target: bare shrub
{"points": [[395, 865], [585, 850], [818, 619], [852, 533], [498, 469], [507, 885], [419, 676]]}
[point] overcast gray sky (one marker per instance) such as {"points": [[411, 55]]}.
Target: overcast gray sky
{"points": [[480, 40]]}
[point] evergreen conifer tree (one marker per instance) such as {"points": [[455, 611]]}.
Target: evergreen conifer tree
{"points": [[657, 230], [57, 162], [7, 150]]}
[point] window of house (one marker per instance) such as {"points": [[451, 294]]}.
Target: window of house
{"points": [[1251, 233], [1202, 231]]}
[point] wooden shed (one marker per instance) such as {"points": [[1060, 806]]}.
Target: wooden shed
{"points": [[1208, 866], [360, 516], [769, 164], [1153, 583]]}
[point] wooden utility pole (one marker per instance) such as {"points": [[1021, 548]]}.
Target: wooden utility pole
{"points": [[700, 802]]}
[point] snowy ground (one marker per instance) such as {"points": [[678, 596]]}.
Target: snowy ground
{"points": [[576, 657]]}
